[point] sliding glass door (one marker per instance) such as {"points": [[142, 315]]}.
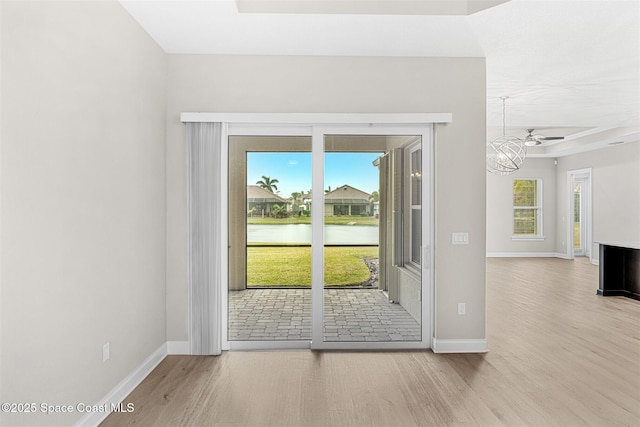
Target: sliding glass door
{"points": [[361, 223], [269, 292], [330, 237]]}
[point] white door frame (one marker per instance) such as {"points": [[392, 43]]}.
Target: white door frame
{"points": [[586, 222], [425, 131], [317, 125]]}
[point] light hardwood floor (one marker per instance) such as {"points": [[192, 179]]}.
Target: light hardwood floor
{"points": [[558, 355]]}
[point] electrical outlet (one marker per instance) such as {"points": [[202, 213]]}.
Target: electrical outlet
{"points": [[106, 352], [462, 308]]}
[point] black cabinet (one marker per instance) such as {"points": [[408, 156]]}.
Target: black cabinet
{"points": [[619, 270]]}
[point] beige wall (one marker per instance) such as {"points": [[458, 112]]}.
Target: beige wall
{"points": [[615, 185], [218, 83], [82, 203], [500, 210]]}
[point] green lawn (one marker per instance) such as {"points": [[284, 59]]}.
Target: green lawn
{"points": [[329, 220], [291, 266]]}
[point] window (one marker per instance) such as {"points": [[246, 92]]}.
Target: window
{"points": [[527, 214], [415, 195], [404, 203], [341, 209]]}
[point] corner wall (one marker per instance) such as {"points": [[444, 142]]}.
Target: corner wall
{"points": [[220, 83], [82, 202]]}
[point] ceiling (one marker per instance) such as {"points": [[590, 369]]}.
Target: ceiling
{"points": [[569, 67]]}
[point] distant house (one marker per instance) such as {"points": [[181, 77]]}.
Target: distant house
{"points": [[260, 202], [376, 209], [346, 200], [306, 200]]}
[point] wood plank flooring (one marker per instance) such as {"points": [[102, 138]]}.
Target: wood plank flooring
{"points": [[559, 355]]}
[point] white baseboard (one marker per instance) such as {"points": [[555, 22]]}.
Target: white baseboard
{"points": [[126, 386], [534, 255], [459, 346], [527, 255], [521, 255], [178, 347]]}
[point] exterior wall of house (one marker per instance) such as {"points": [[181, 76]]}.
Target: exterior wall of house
{"points": [[221, 83], [82, 203], [409, 295], [345, 209]]}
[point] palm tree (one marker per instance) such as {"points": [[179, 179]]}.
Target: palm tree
{"points": [[297, 199], [268, 184], [279, 211]]}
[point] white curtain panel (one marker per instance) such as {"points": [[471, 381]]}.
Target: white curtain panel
{"points": [[203, 168]]}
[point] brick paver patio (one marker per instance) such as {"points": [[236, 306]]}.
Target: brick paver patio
{"points": [[349, 315]]}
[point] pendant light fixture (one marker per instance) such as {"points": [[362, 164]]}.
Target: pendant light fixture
{"points": [[506, 154]]}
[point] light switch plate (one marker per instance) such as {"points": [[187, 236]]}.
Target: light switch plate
{"points": [[106, 351], [462, 309], [460, 238]]}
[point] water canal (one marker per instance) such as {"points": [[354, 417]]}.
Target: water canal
{"points": [[301, 234]]}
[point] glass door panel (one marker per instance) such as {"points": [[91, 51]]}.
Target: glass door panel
{"points": [[372, 238], [577, 219], [269, 238]]}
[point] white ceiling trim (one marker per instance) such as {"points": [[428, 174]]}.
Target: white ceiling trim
{"points": [[578, 147]]}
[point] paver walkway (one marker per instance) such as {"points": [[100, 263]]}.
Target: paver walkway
{"points": [[350, 315]]}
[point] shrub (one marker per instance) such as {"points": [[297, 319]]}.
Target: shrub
{"points": [[279, 211]]}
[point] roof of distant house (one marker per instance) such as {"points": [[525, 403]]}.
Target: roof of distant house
{"points": [[347, 192], [259, 194]]}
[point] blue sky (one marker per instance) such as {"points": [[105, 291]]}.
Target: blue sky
{"points": [[293, 170]]}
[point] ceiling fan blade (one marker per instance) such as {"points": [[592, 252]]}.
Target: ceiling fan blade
{"points": [[532, 140]]}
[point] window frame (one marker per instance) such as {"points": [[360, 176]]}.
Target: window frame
{"points": [[538, 207], [407, 203]]}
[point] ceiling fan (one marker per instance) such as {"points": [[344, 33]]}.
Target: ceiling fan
{"points": [[532, 140]]}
